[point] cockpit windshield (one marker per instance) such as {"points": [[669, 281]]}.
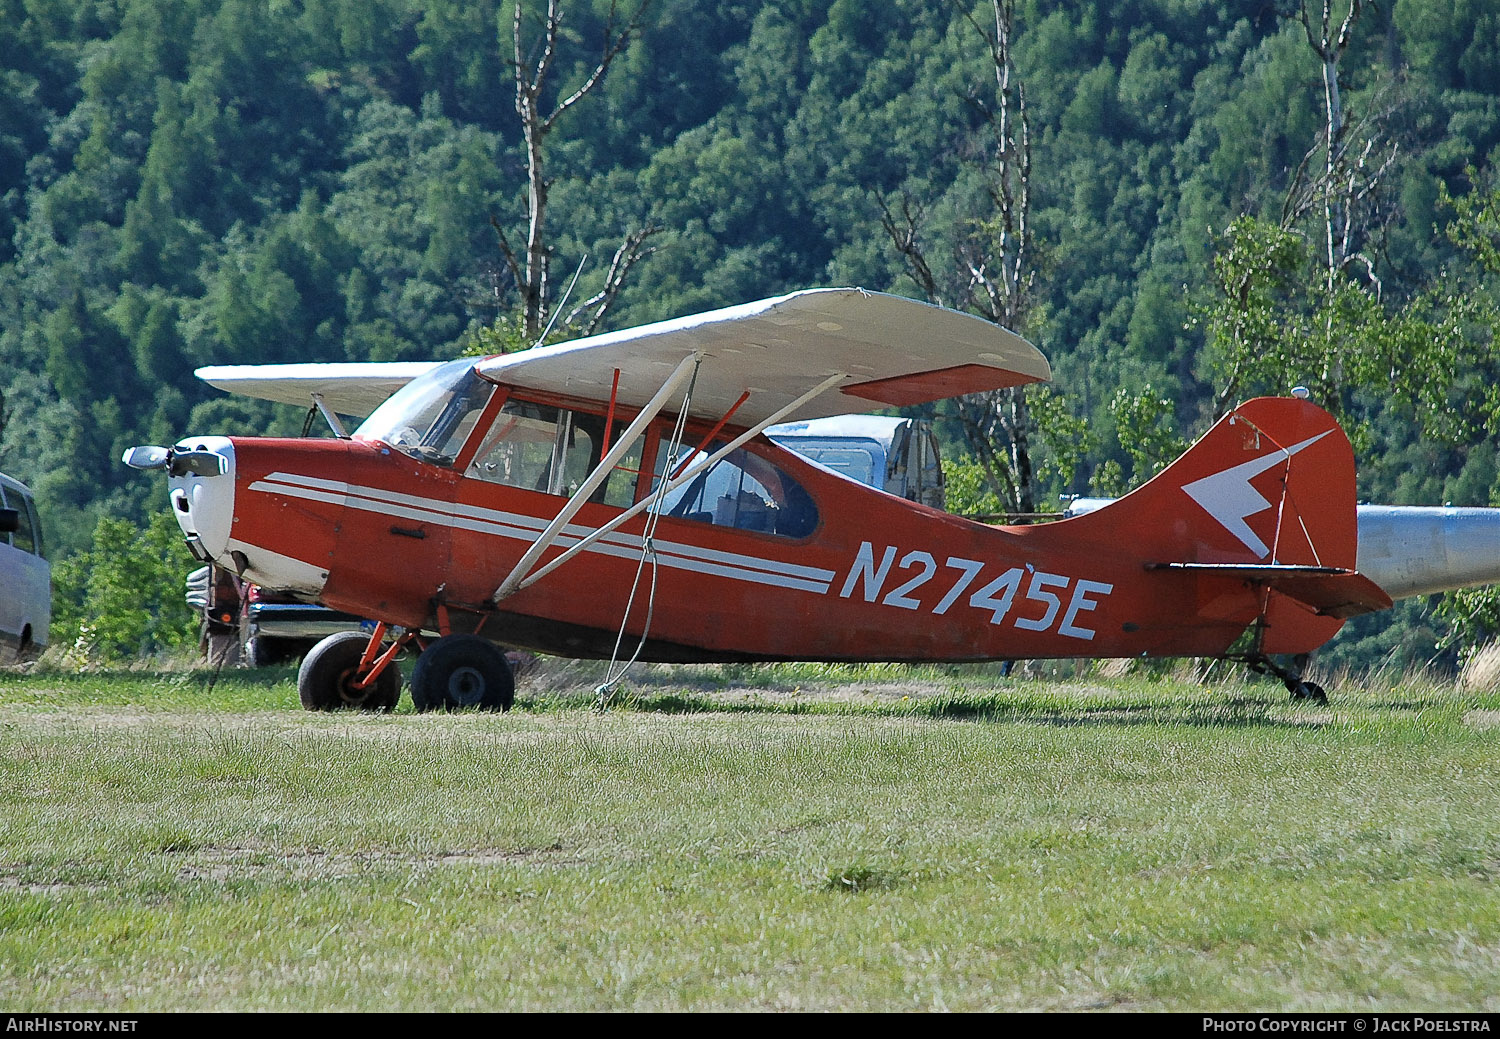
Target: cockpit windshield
{"points": [[431, 416]]}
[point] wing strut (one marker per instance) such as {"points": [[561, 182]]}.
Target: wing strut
{"points": [[329, 417], [517, 582], [512, 582]]}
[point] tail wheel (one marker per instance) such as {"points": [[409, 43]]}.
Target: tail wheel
{"points": [[459, 671], [329, 673], [1309, 691]]}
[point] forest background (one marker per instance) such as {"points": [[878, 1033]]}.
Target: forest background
{"points": [[191, 182]]}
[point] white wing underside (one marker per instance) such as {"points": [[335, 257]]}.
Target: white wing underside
{"points": [[888, 350], [348, 388]]}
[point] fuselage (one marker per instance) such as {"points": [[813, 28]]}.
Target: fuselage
{"points": [[419, 519]]}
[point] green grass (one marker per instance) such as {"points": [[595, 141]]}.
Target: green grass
{"points": [[726, 838]]}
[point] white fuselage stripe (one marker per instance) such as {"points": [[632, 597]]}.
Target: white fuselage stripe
{"points": [[677, 555]]}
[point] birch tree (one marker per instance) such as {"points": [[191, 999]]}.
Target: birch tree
{"points": [[992, 270], [1300, 299], [533, 61]]}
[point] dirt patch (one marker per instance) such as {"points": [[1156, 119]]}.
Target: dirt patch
{"points": [[12, 880], [882, 693], [1480, 719], [220, 864]]}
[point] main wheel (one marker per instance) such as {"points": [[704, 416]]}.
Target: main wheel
{"points": [[462, 671], [325, 682]]}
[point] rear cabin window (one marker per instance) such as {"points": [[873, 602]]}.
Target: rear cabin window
{"points": [[744, 491]]}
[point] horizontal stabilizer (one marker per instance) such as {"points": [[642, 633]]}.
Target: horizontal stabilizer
{"points": [[1329, 590], [1339, 595], [1253, 571]]}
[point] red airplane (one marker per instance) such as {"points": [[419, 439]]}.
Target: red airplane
{"points": [[614, 496]]}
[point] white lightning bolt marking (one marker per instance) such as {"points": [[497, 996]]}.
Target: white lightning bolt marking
{"points": [[1229, 498]]}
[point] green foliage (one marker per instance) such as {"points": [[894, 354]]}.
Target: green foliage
{"points": [[1279, 319], [1067, 435], [1476, 221], [968, 490], [507, 335], [124, 596], [1472, 616], [1146, 428]]}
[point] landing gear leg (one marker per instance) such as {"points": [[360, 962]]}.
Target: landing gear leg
{"points": [[1291, 677]]}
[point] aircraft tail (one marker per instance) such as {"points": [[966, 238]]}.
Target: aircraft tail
{"points": [[1265, 501]]}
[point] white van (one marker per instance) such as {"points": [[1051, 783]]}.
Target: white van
{"points": [[25, 575], [897, 455]]}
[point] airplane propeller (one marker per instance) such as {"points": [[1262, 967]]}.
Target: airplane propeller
{"points": [[177, 463]]}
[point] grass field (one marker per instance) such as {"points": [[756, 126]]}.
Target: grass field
{"points": [[750, 838]]}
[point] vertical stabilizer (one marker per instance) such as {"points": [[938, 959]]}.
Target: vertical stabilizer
{"points": [[1261, 510], [1270, 483]]}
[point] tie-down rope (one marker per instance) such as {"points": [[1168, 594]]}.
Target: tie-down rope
{"points": [[648, 551]]}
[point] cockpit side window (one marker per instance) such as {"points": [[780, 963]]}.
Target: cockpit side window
{"points": [[519, 448], [620, 485], [553, 450]]}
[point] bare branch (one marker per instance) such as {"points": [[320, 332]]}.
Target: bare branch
{"points": [[613, 44], [530, 66], [904, 236], [992, 266], [630, 252], [976, 415], [511, 260]]}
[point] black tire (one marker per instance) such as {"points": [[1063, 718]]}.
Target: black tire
{"points": [[1309, 691], [325, 682], [263, 652], [256, 653], [462, 671]]}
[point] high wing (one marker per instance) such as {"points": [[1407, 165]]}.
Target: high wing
{"points": [[882, 350], [889, 350], [348, 388]]}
